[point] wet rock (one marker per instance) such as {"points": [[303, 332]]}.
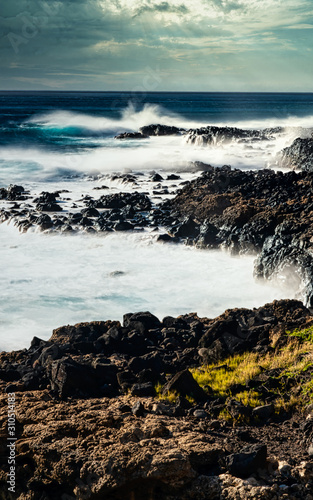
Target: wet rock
{"points": [[45, 222], [215, 136], [138, 201], [48, 207], [153, 130], [165, 237], [123, 226], [157, 178], [299, 155], [14, 192], [86, 222], [90, 212], [187, 229], [132, 135], [46, 197]]}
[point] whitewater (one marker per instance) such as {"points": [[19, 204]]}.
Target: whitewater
{"points": [[49, 279]]}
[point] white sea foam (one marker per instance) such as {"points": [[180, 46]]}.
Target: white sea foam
{"points": [[21, 164], [132, 119], [51, 280], [100, 154]]}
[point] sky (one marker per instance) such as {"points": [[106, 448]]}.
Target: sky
{"points": [[155, 45]]}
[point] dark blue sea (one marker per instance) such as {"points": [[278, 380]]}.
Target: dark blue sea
{"points": [[64, 142], [56, 119]]}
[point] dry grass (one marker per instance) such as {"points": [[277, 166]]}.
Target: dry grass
{"points": [[290, 362]]}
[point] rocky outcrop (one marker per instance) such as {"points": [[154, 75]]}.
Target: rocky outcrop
{"points": [[299, 155], [131, 135], [205, 136], [89, 425], [106, 358], [216, 136], [260, 211], [96, 448], [160, 130]]}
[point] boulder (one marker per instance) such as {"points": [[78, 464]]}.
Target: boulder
{"points": [[299, 155], [263, 412], [138, 409], [185, 385], [143, 390], [141, 322], [247, 461]]}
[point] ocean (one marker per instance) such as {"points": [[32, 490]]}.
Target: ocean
{"points": [[51, 141]]}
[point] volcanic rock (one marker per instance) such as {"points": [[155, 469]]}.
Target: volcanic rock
{"points": [[152, 130], [299, 155], [132, 135], [184, 383], [248, 461]]}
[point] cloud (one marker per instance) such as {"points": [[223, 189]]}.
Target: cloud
{"points": [[94, 43], [163, 7], [300, 27]]}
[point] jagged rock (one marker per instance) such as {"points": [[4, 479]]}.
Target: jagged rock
{"points": [[248, 461], [184, 383], [123, 226], [157, 178], [138, 409], [138, 201], [141, 321], [46, 197], [152, 130], [264, 211], [13, 193], [132, 135], [215, 136], [48, 207], [143, 390], [263, 412], [173, 177], [299, 155], [44, 221], [186, 229]]}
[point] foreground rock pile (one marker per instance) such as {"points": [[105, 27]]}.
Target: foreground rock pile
{"points": [[114, 411], [105, 358]]}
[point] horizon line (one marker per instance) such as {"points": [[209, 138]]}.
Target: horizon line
{"points": [[162, 91]]}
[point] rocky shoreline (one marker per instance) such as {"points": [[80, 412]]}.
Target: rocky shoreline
{"points": [[263, 212], [175, 408], [124, 411]]}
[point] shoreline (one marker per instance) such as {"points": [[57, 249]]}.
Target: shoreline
{"points": [[139, 409], [178, 408]]}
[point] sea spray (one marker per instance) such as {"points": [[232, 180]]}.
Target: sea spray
{"points": [[51, 280]]}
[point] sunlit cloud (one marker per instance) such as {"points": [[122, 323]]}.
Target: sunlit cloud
{"points": [[121, 38]]}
